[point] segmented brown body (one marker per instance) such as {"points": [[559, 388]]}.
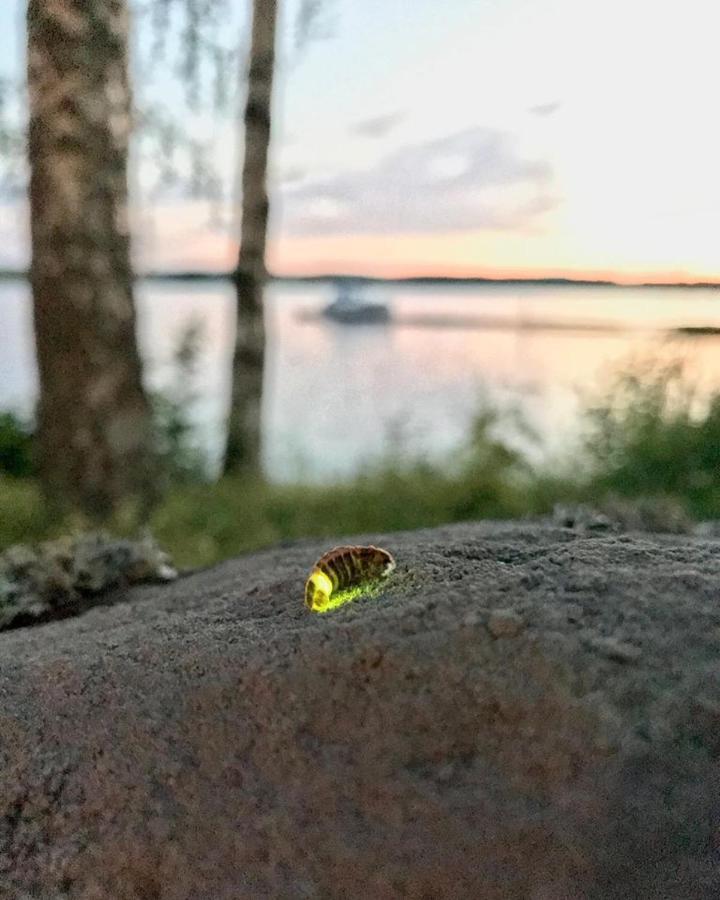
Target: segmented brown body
{"points": [[349, 566]]}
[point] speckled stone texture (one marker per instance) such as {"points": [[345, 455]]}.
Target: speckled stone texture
{"points": [[525, 712]]}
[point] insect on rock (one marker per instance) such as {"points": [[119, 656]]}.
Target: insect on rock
{"points": [[341, 573]]}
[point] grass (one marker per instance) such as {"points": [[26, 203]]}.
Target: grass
{"points": [[648, 438], [200, 522], [203, 523]]}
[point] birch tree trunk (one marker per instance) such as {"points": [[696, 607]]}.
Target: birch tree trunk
{"points": [[243, 441], [94, 425]]}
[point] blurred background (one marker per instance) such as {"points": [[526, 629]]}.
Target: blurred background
{"points": [[305, 267]]}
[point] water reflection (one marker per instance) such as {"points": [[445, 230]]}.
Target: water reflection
{"points": [[335, 395]]}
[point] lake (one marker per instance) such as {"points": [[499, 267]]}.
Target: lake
{"points": [[338, 397]]}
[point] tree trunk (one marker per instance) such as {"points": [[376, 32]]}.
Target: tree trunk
{"points": [[243, 442], [94, 424]]}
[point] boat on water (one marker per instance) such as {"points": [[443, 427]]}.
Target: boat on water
{"points": [[349, 308]]}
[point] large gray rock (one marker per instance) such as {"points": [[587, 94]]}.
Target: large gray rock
{"points": [[524, 712]]}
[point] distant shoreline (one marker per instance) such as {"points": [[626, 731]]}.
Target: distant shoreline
{"points": [[14, 275]]}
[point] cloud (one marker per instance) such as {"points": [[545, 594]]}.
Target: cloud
{"points": [[467, 181], [378, 126], [545, 109]]}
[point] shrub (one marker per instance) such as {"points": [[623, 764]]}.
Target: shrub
{"points": [[16, 446], [652, 434]]}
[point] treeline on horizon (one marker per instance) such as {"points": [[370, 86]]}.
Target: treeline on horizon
{"points": [[340, 277]]}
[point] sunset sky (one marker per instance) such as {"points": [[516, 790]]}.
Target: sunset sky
{"points": [[469, 137]]}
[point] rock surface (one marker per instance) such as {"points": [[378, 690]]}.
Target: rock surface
{"points": [[213, 739]]}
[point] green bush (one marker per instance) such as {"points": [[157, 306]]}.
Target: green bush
{"points": [[652, 435], [16, 446]]}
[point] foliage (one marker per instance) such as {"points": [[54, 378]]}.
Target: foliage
{"points": [[200, 522], [16, 446], [23, 514], [181, 459], [653, 434], [189, 43], [488, 479], [201, 44], [311, 23], [202, 51], [651, 449]]}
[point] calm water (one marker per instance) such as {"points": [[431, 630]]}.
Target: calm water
{"points": [[336, 397]]}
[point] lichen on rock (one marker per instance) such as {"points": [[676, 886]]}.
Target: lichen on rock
{"points": [[62, 577]]}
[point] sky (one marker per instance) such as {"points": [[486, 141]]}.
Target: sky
{"points": [[518, 138]]}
